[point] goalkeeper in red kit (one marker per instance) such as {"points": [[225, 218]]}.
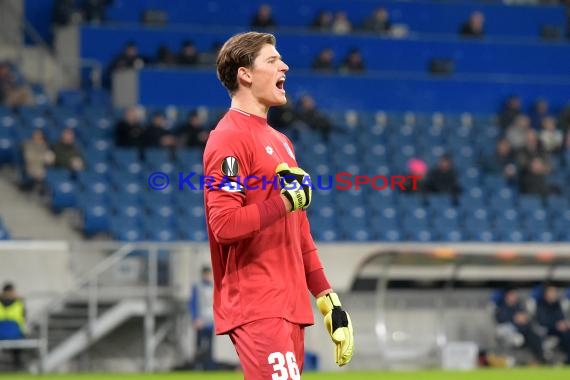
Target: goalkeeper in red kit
{"points": [[264, 260]]}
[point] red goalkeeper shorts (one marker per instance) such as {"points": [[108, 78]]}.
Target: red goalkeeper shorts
{"points": [[270, 349]]}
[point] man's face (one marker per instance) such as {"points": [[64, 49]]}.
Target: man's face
{"points": [[268, 77], [551, 294], [511, 298]]}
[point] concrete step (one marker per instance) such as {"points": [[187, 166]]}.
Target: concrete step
{"points": [[27, 218]]}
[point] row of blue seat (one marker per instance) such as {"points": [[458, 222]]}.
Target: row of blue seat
{"points": [[103, 43], [429, 17]]}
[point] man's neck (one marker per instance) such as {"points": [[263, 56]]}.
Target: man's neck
{"points": [[249, 105]]}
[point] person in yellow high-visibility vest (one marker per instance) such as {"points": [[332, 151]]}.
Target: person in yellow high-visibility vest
{"points": [[12, 320]]}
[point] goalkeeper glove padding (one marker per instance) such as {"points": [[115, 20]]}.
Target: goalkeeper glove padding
{"points": [[338, 325], [294, 186]]}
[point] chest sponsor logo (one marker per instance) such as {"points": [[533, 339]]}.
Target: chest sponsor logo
{"points": [[230, 166]]}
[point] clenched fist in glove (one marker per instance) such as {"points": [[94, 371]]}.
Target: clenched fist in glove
{"points": [[338, 325], [295, 186]]}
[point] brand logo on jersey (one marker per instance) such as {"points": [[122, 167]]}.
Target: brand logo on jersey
{"points": [[288, 149], [230, 166], [269, 150]]}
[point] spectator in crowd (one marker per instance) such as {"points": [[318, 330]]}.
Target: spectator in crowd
{"points": [[353, 62], [378, 22], [443, 178], [129, 130], [308, 114], [201, 311], [517, 133], [284, 119], [324, 61], [323, 22], [129, 58], [156, 134], [564, 120], [94, 10], [530, 150], [65, 12], [474, 26], [165, 56], [192, 133], [549, 314], [67, 154], [502, 162], [37, 155], [550, 137], [208, 58], [341, 24], [511, 312], [540, 111], [13, 92], [511, 109], [533, 179], [188, 55], [12, 320], [417, 168], [263, 19]]}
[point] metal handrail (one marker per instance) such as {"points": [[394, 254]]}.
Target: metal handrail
{"points": [[86, 279]]}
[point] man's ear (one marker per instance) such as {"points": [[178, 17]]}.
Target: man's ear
{"points": [[244, 75]]}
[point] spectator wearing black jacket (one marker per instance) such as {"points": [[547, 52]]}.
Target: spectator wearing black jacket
{"points": [[263, 19], [129, 130], [549, 314], [156, 134], [510, 310], [308, 113], [511, 109], [188, 55], [474, 26], [443, 178], [502, 162], [324, 61], [192, 133]]}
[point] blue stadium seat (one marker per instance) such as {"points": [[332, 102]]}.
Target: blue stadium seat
{"points": [[450, 235], [485, 236], [557, 204], [130, 233], [95, 219], [4, 234], [420, 234], [439, 201], [8, 150], [529, 203], [63, 195], [513, 236], [124, 156]]}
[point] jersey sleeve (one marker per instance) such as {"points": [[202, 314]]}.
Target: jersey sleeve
{"points": [[227, 162]]}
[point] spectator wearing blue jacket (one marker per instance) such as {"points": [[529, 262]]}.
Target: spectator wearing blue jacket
{"points": [[202, 313], [550, 315]]}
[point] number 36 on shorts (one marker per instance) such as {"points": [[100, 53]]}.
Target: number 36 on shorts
{"points": [[285, 366]]}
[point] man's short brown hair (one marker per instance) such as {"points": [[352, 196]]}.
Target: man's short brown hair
{"points": [[239, 51]]}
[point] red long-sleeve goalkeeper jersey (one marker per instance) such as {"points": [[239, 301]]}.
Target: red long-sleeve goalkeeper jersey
{"points": [[259, 267]]}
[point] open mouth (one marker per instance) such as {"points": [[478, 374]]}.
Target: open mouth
{"points": [[281, 84]]}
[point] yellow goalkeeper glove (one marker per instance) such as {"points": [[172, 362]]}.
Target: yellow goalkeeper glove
{"points": [[295, 185], [338, 325]]}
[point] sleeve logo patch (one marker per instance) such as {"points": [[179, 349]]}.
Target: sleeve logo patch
{"points": [[230, 166]]}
